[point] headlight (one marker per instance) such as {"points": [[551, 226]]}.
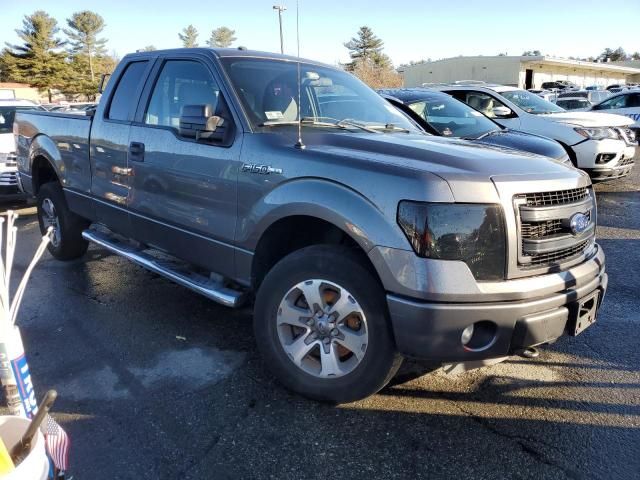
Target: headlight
{"points": [[597, 133], [472, 233]]}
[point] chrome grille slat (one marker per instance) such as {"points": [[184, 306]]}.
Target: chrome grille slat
{"points": [[559, 256], [541, 229], [559, 197]]}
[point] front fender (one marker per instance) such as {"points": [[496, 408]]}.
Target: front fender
{"points": [[330, 201]]}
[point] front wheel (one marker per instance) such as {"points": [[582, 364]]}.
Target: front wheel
{"points": [[66, 241], [321, 324]]}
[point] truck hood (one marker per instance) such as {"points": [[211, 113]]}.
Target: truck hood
{"points": [[464, 165], [590, 119]]}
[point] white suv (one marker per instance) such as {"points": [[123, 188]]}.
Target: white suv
{"points": [[601, 144], [9, 183]]}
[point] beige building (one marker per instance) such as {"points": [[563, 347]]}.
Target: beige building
{"points": [[520, 71], [10, 90]]}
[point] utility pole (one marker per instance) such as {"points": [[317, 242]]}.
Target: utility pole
{"points": [[280, 8]]}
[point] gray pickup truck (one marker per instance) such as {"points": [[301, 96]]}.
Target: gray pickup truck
{"points": [[248, 176]]}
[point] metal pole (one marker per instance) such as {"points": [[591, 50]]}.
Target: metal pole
{"points": [[280, 9]]}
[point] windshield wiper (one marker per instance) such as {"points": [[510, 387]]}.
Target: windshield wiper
{"points": [[389, 127], [344, 124]]}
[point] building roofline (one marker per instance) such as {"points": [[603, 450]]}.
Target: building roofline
{"points": [[543, 59]]}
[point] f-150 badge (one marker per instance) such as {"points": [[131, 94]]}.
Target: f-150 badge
{"points": [[261, 169]]}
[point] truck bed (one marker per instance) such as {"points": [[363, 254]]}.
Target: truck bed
{"points": [[65, 138]]}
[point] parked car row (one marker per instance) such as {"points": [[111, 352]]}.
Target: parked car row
{"points": [[599, 143]]}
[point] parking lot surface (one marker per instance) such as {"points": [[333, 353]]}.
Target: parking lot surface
{"points": [[157, 382]]}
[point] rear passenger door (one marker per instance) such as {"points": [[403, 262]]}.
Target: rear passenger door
{"points": [[110, 174], [184, 190]]}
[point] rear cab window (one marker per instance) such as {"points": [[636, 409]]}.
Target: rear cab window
{"points": [[125, 97]]}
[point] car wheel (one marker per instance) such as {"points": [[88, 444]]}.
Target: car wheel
{"points": [[322, 325], [66, 241]]}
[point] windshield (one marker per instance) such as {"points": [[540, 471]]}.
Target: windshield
{"points": [[329, 98], [7, 114], [531, 103], [452, 118], [573, 103]]}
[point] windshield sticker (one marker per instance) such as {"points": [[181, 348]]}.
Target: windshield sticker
{"points": [[274, 115]]}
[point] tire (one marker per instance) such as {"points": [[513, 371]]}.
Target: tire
{"points": [[350, 376], [67, 242]]}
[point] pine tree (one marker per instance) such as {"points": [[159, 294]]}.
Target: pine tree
{"points": [[366, 46], [39, 61], [83, 31], [221, 37], [189, 37]]}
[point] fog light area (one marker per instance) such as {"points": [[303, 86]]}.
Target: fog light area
{"points": [[479, 336]]}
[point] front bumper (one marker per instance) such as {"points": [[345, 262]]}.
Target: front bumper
{"points": [[621, 162], [433, 330]]}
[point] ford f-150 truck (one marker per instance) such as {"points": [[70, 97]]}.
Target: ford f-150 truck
{"points": [[249, 176]]}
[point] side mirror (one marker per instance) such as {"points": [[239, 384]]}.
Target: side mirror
{"points": [[198, 122], [502, 112]]}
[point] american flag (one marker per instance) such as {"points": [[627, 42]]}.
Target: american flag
{"points": [[57, 442]]}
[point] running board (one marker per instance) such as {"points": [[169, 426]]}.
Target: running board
{"points": [[174, 271]]}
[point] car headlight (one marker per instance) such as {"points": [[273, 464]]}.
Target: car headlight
{"points": [[598, 133], [472, 233]]}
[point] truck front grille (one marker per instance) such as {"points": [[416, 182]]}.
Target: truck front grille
{"points": [[546, 237]]}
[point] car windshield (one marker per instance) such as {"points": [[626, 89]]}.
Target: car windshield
{"points": [[329, 98], [531, 103], [7, 114], [452, 118]]}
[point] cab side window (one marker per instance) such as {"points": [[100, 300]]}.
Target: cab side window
{"points": [[180, 83], [125, 97]]}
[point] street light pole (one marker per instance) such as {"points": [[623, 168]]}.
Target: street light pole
{"points": [[280, 8]]}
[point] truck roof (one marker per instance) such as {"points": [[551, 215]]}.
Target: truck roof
{"points": [[229, 52]]}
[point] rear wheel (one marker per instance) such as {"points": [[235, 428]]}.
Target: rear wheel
{"points": [[66, 240], [321, 324]]}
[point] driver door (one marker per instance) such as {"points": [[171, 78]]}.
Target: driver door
{"points": [[184, 191]]}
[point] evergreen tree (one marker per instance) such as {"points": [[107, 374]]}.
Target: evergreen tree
{"points": [[39, 61], [189, 37], [222, 37], [149, 48], [366, 46], [83, 31]]}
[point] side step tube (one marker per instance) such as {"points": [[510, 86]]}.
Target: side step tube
{"points": [[196, 282]]}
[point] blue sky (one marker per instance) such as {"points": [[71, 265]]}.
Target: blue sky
{"points": [[411, 29]]}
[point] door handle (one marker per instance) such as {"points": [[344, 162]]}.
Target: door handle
{"points": [[136, 152]]}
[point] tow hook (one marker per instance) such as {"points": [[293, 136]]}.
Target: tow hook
{"points": [[530, 352]]}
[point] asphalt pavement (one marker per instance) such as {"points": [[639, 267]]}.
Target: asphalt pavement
{"points": [[156, 382]]}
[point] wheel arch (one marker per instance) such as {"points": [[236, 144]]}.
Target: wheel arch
{"points": [[308, 212], [45, 161]]}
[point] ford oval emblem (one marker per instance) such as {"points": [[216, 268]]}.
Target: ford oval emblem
{"points": [[579, 222]]}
